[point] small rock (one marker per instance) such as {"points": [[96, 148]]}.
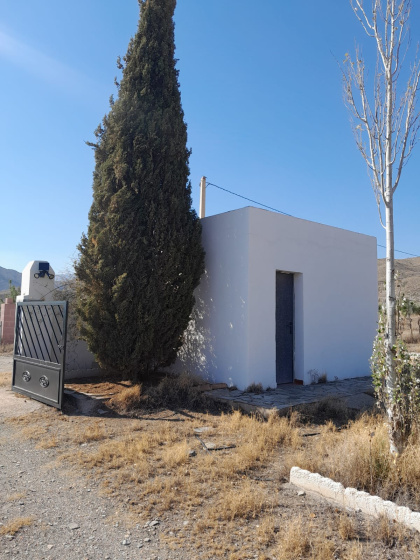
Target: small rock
{"points": [[192, 453], [301, 493], [201, 430], [73, 526], [126, 542], [210, 445], [140, 545], [50, 546], [185, 523], [147, 539], [153, 523]]}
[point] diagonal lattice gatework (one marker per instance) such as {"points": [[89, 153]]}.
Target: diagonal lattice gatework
{"points": [[39, 350]]}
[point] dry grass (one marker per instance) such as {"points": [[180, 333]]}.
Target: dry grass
{"points": [[360, 458], [267, 530], [294, 541], [6, 348], [89, 433], [346, 527], [233, 499], [355, 552], [172, 392], [256, 388], [327, 410], [127, 399], [16, 496], [49, 443], [5, 379], [13, 526], [299, 541], [244, 502], [388, 532]]}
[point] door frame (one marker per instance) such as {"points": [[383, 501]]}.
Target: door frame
{"points": [[293, 274]]}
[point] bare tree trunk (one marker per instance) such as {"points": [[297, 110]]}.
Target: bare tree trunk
{"points": [[396, 445], [385, 134]]}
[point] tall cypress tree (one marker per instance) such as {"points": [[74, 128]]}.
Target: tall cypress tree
{"points": [[142, 257]]}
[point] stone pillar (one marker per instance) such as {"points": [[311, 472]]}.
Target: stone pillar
{"points": [[37, 282], [7, 317]]}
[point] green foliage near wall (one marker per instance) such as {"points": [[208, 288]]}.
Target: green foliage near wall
{"points": [[142, 257]]}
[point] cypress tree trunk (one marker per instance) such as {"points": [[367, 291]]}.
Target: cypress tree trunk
{"points": [[142, 257]]}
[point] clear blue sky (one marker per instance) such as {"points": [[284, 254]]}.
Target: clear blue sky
{"points": [[261, 91]]}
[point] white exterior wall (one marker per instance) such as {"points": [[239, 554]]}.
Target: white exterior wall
{"points": [[335, 279], [336, 300]]}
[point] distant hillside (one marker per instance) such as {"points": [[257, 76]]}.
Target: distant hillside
{"points": [[408, 277], [7, 274]]}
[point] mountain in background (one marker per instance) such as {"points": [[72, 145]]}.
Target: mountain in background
{"points": [[7, 274], [408, 279]]}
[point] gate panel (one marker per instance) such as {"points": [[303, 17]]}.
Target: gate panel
{"points": [[40, 350]]}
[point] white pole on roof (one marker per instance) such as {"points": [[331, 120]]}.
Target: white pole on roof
{"points": [[202, 213]]}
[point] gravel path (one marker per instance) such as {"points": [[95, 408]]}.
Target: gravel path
{"points": [[69, 520], [6, 363]]}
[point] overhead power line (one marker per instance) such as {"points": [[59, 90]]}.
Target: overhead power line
{"points": [[249, 199], [285, 213], [398, 251]]}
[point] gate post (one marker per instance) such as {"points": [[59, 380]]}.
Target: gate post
{"points": [[7, 318], [37, 281]]}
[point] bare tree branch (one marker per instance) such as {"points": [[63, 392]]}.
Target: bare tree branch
{"points": [[385, 126]]}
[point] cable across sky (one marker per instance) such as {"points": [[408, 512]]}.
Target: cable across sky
{"points": [[208, 184]]}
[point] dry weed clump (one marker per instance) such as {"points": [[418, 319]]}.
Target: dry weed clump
{"points": [[49, 443], [172, 392], [16, 496], [14, 525], [90, 433], [5, 379], [262, 437], [127, 399], [329, 409], [346, 527], [388, 532], [175, 392], [244, 501], [300, 541], [267, 530], [6, 348], [294, 541]]}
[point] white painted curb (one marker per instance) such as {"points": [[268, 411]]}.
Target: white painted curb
{"points": [[353, 499]]}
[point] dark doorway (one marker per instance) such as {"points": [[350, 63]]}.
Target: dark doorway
{"points": [[284, 327]]}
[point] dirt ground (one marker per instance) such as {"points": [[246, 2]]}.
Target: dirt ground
{"points": [[90, 483]]}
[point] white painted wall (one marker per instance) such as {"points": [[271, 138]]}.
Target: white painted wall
{"points": [[36, 289], [232, 338]]}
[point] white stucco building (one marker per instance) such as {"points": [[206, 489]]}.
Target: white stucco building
{"points": [[282, 298]]}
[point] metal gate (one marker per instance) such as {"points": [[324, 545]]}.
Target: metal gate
{"points": [[40, 350]]}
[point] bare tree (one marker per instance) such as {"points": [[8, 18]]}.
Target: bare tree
{"points": [[385, 125]]}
